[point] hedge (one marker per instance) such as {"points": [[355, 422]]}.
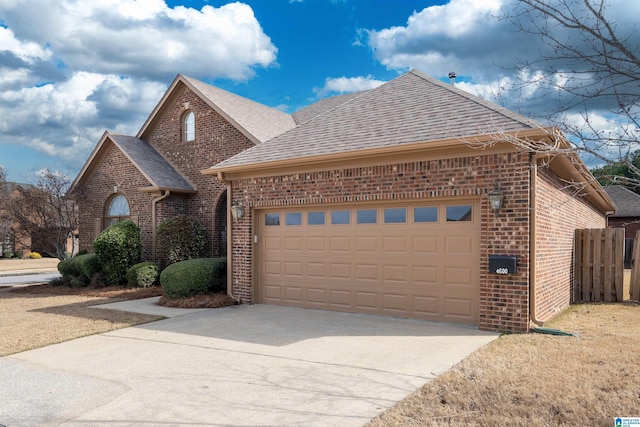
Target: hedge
{"points": [[144, 274], [81, 267], [193, 277], [118, 248], [181, 238]]}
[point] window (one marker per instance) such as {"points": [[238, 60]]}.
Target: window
{"points": [[367, 216], [395, 215], [118, 210], [293, 218], [315, 218], [459, 213], [340, 217], [189, 127], [425, 214], [272, 219]]}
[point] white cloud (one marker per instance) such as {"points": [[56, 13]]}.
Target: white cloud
{"points": [[26, 51], [70, 69], [142, 37], [340, 85]]}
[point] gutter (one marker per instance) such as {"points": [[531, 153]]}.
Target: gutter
{"points": [[226, 182], [163, 195], [533, 175]]}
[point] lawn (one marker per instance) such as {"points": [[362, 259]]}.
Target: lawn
{"points": [[537, 379], [516, 380]]}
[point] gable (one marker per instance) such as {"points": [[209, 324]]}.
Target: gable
{"points": [[257, 122], [156, 170]]}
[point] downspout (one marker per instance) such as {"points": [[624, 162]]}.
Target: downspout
{"points": [[226, 182], [533, 175], [163, 195]]}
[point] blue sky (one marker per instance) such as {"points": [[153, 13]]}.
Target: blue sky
{"points": [[71, 69]]}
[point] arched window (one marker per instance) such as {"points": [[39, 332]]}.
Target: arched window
{"points": [[189, 126], [118, 210]]}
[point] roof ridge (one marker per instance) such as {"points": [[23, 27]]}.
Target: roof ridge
{"points": [[478, 100], [361, 92]]}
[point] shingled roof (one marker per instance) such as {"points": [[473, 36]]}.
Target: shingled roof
{"points": [[150, 163], [411, 108], [627, 202], [258, 120]]}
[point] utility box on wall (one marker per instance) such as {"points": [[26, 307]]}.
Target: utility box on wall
{"points": [[502, 264]]}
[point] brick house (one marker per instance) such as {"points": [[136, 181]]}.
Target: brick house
{"points": [[374, 202], [627, 216]]}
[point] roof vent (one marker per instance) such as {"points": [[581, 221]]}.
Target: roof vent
{"points": [[452, 77]]}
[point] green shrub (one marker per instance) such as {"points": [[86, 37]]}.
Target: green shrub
{"points": [[180, 239], [118, 247], [143, 274], [193, 277], [80, 267]]}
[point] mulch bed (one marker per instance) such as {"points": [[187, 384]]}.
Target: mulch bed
{"points": [[117, 293]]}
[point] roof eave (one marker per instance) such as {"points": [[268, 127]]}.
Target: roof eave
{"points": [[158, 189], [378, 152]]}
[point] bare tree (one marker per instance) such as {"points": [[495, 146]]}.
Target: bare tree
{"points": [[590, 67], [42, 213]]}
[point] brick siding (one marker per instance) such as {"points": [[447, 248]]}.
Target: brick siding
{"points": [[559, 212], [215, 140], [503, 300]]}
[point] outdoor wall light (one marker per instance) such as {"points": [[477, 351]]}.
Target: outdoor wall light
{"points": [[237, 210], [495, 199]]}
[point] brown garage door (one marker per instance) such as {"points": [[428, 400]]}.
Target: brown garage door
{"points": [[418, 260]]}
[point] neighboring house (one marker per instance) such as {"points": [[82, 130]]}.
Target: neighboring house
{"points": [[13, 240], [374, 202], [627, 216]]}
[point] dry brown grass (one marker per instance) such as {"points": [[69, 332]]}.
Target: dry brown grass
{"points": [[538, 379], [37, 316], [40, 315]]}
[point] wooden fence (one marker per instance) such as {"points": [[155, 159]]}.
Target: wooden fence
{"points": [[599, 265], [634, 287]]}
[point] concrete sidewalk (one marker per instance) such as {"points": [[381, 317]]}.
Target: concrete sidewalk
{"points": [[19, 267], [255, 365]]}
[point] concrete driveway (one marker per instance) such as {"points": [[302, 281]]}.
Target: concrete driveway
{"points": [[249, 365]]}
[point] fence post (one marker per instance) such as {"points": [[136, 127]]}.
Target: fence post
{"points": [[634, 288]]}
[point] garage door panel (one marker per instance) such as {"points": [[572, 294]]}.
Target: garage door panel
{"points": [[459, 309], [293, 243], [426, 276], [424, 270], [425, 305], [316, 243], [317, 296], [425, 245], [394, 273], [272, 243], [367, 272], [316, 270], [366, 244], [340, 243], [339, 271], [340, 298], [458, 276], [459, 245], [293, 294], [395, 302], [293, 269], [394, 244], [367, 300], [272, 267]]}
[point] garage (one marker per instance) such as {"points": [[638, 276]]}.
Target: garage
{"points": [[407, 259]]}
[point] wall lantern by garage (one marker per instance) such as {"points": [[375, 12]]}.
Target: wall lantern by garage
{"points": [[495, 199], [237, 211]]}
